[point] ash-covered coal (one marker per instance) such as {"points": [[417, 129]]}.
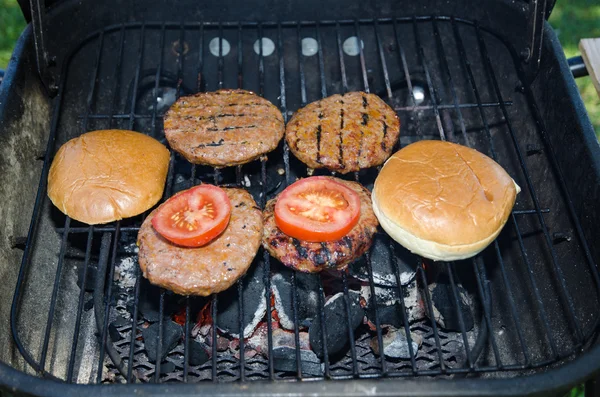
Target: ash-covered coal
{"points": [[284, 359], [307, 298], [395, 344], [253, 298], [389, 308], [171, 334], [336, 324], [444, 305], [280, 338], [383, 264]]}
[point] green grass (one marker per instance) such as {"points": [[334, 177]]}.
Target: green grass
{"points": [[574, 20], [12, 24]]}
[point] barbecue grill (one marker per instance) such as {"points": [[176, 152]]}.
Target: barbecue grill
{"points": [[520, 318]]}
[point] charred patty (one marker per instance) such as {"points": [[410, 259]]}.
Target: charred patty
{"points": [[208, 269], [343, 133], [223, 128], [313, 257]]}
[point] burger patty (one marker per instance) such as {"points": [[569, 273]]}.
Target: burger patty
{"points": [[344, 133], [223, 128], [313, 257], [209, 269]]}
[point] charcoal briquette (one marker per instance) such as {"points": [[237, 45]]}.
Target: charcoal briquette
{"points": [[336, 324], [171, 334]]}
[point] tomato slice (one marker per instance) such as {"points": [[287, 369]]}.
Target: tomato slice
{"points": [[317, 209], [193, 217]]}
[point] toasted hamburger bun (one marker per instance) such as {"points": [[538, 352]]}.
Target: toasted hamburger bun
{"points": [[103, 176], [443, 201]]}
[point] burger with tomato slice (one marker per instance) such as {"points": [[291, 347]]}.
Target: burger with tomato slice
{"points": [[319, 223], [201, 240]]}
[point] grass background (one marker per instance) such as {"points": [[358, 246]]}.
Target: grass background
{"points": [[572, 20]]}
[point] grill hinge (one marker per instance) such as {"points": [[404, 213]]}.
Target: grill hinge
{"points": [[37, 9], [531, 55]]}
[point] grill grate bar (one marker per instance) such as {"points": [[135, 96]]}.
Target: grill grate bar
{"points": [[361, 53], [446, 68], [107, 299], [136, 79], [461, 320], [384, 69], [421, 53], [134, 322], [63, 247], [421, 273], [157, 80], [88, 251], [376, 310], [403, 312], [341, 58], [481, 282], [350, 330], [186, 341], [213, 314], [159, 336], [566, 296]]}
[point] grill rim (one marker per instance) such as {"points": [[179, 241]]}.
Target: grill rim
{"points": [[581, 367]]}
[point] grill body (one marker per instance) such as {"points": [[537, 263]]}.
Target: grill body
{"points": [[535, 291]]}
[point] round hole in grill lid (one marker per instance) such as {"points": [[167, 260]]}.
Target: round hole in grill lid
{"points": [[213, 46], [350, 46], [310, 46], [268, 47]]}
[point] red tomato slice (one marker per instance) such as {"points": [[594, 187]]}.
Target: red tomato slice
{"points": [[317, 209], [193, 217]]}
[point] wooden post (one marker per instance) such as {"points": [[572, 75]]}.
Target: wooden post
{"points": [[590, 52]]}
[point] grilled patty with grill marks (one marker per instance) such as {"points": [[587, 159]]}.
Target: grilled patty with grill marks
{"points": [[343, 133], [209, 269], [313, 257], [223, 128]]}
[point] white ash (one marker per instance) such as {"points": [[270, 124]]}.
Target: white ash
{"points": [[124, 274], [390, 279], [285, 321], [131, 248]]}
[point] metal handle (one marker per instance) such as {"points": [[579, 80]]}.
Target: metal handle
{"points": [[577, 66]]}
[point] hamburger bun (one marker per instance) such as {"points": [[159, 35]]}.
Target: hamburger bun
{"points": [[443, 201], [103, 176]]}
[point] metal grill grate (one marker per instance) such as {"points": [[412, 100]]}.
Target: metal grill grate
{"points": [[447, 78]]}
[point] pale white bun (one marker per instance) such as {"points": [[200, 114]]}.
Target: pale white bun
{"points": [[443, 201], [103, 176]]}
